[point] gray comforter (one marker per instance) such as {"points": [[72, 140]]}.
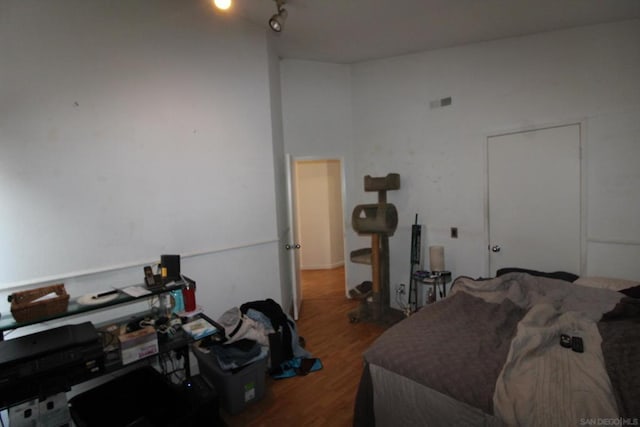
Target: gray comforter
{"points": [[461, 345]]}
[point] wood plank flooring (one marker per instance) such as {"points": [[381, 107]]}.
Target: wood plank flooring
{"points": [[325, 397]]}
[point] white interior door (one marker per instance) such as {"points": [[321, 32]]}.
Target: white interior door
{"points": [[292, 245], [534, 199]]}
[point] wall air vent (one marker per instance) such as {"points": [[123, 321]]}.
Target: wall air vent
{"points": [[443, 102]]}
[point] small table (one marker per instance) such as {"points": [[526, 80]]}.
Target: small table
{"points": [[435, 279]]}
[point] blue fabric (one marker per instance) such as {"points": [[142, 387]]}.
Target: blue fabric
{"points": [[298, 350], [295, 366], [260, 317]]}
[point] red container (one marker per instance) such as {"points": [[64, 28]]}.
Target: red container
{"points": [[189, 296]]}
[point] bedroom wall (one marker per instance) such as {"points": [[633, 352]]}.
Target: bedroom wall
{"points": [[585, 74], [317, 119], [133, 129]]}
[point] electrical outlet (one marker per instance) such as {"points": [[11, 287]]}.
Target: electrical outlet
{"points": [[401, 288], [454, 232]]}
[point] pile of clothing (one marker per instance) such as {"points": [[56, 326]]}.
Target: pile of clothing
{"points": [[260, 329]]}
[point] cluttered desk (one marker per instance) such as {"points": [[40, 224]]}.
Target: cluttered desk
{"points": [[49, 362]]}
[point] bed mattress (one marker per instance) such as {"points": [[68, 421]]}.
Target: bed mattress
{"points": [[490, 354]]}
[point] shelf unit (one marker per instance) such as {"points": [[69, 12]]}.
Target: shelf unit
{"points": [[8, 323], [178, 343]]}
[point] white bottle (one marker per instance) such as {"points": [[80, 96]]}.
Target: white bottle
{"points": [[431, 296]]}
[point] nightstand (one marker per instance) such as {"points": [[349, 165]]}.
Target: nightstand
{"points": [[437, 279]]}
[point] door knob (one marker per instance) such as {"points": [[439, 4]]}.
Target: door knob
{"points": [[495, 248]]}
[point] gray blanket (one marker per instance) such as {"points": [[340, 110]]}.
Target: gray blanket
{"points": [[527, 291], [456, 346], [459, 346], [620, 331]]}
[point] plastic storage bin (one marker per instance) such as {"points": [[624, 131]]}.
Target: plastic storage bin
{"points": [[237, 389]]}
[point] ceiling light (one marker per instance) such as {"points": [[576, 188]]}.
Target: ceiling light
{"points": [[277, 21], [222, 4]]}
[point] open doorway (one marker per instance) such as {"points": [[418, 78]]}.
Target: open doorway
{"points": [[320, 225]]}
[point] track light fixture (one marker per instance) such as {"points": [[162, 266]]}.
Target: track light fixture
{"points": [[277, 21]]}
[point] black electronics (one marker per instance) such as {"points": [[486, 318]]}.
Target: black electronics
{"points": [[152, 281], [144, 397], [204, 402], [577, 345], [149, 279], [170, 265], [137, 323], [416, 232], [48, 362]]}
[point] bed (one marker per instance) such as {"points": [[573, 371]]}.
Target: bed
{"points": [[490, 355]]}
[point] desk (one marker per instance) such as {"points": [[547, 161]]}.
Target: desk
{"points": [[48, 374]]}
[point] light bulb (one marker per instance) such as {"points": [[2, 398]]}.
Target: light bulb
{"points": [[222, 4], [277, 21]]}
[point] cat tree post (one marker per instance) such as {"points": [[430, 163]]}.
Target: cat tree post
{"points": [[378, 220]]}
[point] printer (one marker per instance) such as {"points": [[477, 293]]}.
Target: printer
{"points": [[48, 362]]}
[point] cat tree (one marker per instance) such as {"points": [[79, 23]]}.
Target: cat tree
{"points": [[378, 220]]}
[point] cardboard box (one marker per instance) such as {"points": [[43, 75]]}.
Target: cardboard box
{"points": [[25, 414], [138, 344], [50, 412]]}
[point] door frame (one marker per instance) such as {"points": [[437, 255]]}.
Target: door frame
{"points": [[582, 128], [343, 191], [293, 258]]}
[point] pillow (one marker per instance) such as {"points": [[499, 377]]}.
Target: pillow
{"points": [[606, 283], [560, 275]]}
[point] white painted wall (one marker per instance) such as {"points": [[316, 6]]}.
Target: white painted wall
{"points": [[133, 129], [587, 73], [613, 205], [335, 213], [319, 208], [281, 195], [317, 119]]}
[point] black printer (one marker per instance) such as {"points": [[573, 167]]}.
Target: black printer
{"points": [[48, 362]]}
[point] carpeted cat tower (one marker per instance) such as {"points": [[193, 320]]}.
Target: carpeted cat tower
{"points": [[379, 221]]}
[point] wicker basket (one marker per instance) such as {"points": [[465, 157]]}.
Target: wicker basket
{"points": [[25, 309]]}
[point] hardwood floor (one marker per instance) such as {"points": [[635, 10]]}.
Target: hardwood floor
{"points": [[325, 397]]}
